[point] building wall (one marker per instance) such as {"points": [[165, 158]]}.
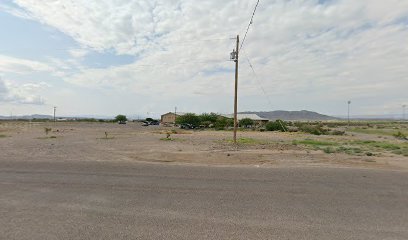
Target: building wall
{"points": [[168, 118]]}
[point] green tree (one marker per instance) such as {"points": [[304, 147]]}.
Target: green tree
{"points": [[223, 122], [149, 119], [208, 119], [277, 125], [121, 118], [246, 122], [189, 118]]}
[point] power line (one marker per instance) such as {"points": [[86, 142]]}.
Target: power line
{"points": [[152, 44], [249, 25], [180, 63], [263, 90], [258, 80]]}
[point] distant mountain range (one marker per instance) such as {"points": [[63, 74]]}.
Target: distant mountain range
{"points": [[40, 116], [271, 115], [34, 116], [293, 115]]}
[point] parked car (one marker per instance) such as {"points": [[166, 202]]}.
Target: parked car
{"points": [[145, 124], [122, 122], [187, 126], [155, 123]]}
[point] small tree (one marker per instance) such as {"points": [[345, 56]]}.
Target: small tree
{"points": [[149, 119], [223, 122], [189, 118], [246, 122], [121, 118], [277, 125], [208, 119]]}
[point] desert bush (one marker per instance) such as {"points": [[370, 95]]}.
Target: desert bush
{"points": [[313, 129], [47, 130], [293, 129], [400, 135], [337, 132]]}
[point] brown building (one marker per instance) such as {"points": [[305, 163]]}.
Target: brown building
{"points": [[170, 117]]}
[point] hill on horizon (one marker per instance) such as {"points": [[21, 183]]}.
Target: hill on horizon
{"points": [[292, 115]]}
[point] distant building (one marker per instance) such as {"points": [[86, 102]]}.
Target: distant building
{"points": [[257, 119], [170, 117]]}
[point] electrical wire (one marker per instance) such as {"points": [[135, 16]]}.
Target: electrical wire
{"points": [[249, 25], [262, 88], [257, 79], [152, 44]]}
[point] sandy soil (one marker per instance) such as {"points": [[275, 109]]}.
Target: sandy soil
{"points": [[21, 141]]}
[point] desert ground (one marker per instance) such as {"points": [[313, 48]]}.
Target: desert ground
{"points": [[78, 141], [111, 181]]}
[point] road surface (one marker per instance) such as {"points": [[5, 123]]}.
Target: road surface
{"points": [[101, 200]]}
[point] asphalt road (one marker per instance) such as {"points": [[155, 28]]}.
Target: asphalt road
{"points": [[95, 200]]}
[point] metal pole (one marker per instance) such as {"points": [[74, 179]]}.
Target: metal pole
{"points": [[236, 93]]}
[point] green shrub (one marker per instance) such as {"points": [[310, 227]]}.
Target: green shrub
{"points": [[223, 122], [313, 129], [400, 135], [246, 122], [120, 118], [189, 118], [337, 133], [329, 150], [277, 125], [209, 118]]}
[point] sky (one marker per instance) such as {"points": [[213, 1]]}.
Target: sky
{"points": [[146, 57]]}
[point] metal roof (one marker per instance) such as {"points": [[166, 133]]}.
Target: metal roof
{"points": [[241, 116]]}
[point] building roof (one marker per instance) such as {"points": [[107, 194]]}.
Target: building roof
{"points": [[241, 116], [177, 113]]}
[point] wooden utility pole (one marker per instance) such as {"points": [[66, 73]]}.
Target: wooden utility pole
{"points": [[348, 113], [175, 115], [236, 58], [55, 120]]}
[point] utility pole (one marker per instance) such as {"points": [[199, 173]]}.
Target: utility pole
{"points": [[348, 113], [235, 57], [175, 115], [55, 120]]}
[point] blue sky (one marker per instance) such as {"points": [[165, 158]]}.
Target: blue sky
{"points": [[108, 57]]}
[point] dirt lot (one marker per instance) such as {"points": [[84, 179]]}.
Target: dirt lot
{"points": [[22, 141]]}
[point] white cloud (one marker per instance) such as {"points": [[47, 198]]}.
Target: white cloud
{"points": [[78, 53], [22, 66], [15, 11], [333, 51], [22, 93]]}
